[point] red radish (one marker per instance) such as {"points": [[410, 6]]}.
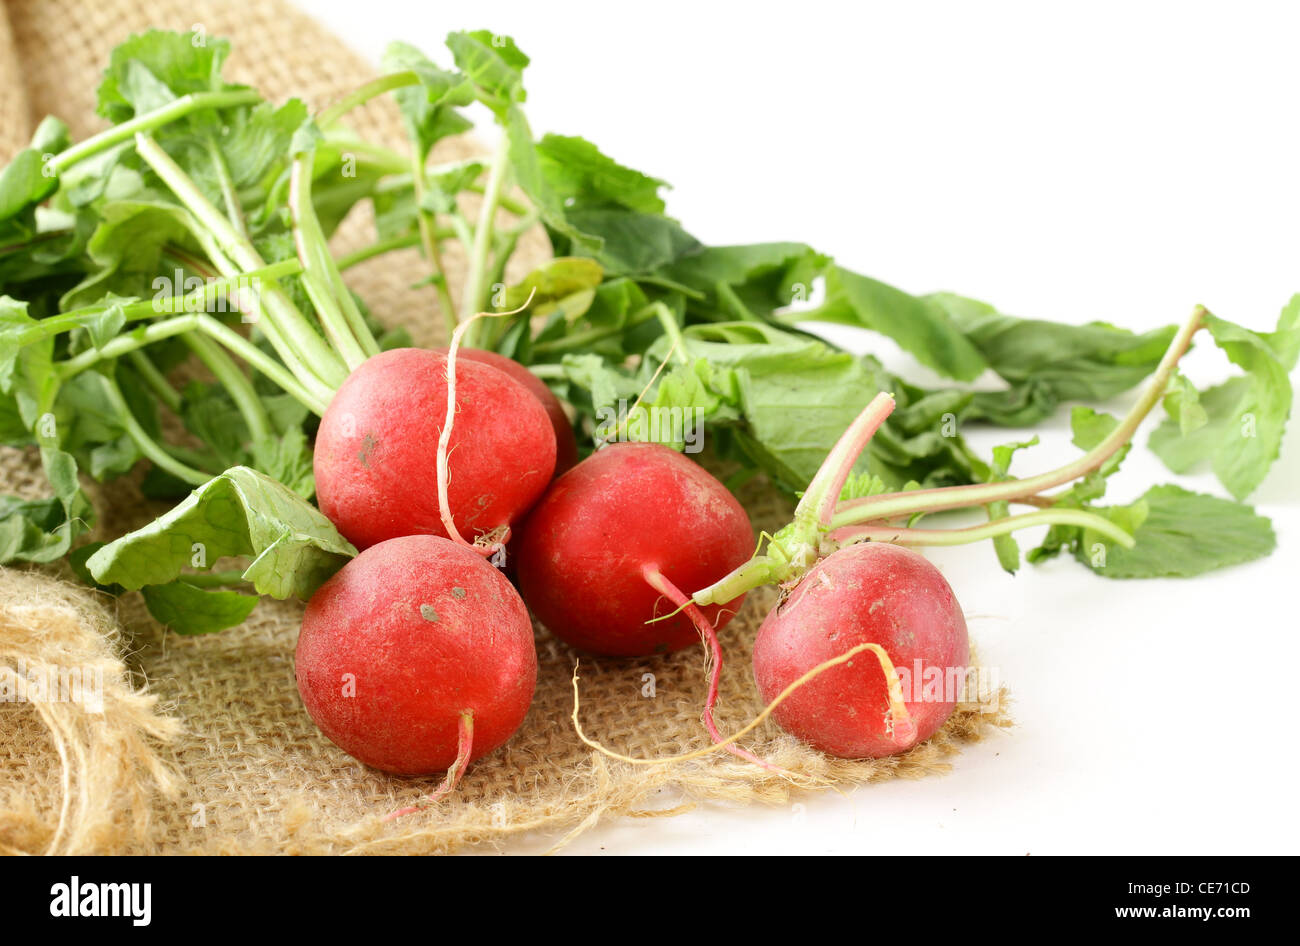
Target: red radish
{"points": [[417, 657], [376, 450], [865, 594], [588, 554], [566, 444]]}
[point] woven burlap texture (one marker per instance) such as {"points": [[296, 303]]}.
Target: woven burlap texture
{"points": [[202, 745]]}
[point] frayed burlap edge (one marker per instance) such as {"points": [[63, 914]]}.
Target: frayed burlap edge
{"points": [[61, 668]]}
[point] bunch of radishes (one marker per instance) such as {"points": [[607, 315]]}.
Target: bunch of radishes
{"points": [[418, 655]]}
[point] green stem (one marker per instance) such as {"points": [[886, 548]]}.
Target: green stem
{"points": [[548, 371], [146, 444], [295, 369], [195, 301], [299, 345], [149, 120], [397, 163], [463, 231], [672, 330], [228, 192], [989, 530], [890, 505], [365, 93], [261, 361], [475, 281], [195, 458], [154, 380], [123, 344], [429, 238], [817, 504], [348, 260], [319, 272], [235, 382]]}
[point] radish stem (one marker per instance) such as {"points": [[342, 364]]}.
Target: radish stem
{"points": [[989, 530], [145, 443], [342, 322], [299, 345], [889, 505], [475, 282], [182, 106], [365, 93]]}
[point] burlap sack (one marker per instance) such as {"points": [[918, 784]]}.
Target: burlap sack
{"points": [[201, 744]]}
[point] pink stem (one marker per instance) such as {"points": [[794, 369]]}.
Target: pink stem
{"points": [[661, 584]]}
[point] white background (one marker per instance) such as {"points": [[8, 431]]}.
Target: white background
{"points": [[1109, 162]]}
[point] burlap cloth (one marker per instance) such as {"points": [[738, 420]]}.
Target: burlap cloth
{"points": [[201, 744]]}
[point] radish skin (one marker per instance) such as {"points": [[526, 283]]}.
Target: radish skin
{"points": [[376, 450], [405, 640], [566, 442], [871, 593], [582, 554]]}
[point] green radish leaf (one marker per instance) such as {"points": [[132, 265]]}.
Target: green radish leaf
{"points": [[1236, 426], [531, 178], [240, 512], [25, 182], [748, 282], [429, 109], [42, 530], [148, 69], [1047, 363], [127, 252], [1182, 402], [494, 64], [777, 401], [1006, 546], [631, 243], [549, 285], [920, 325], [105, 326], [189, 609], [256, 140], [15, 324], [1180, 535], [861, 485], [584, 178], [288, 460]]}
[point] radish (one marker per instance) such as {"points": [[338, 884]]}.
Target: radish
{"points": [[596, 554], [377, 447], [417, 657], [865, 594], [566, 444], [859, 607]]}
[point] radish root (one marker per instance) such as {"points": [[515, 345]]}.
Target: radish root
{"points": [[444, 438], [660, 583], [465, 735], [901, 725]]}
